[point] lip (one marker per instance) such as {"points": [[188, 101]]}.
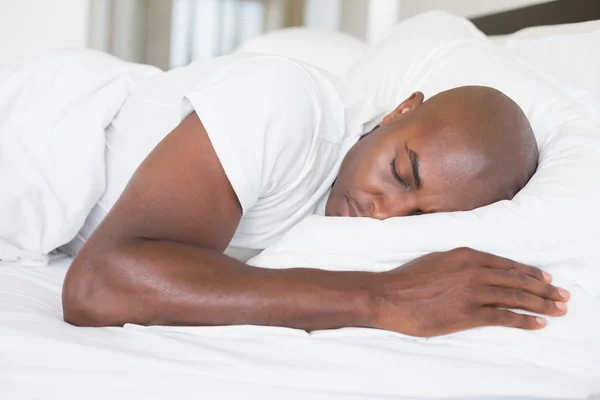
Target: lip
{"points": [[353, 208], [345, 208]]}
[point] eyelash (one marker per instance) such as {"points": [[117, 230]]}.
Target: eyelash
{"points": [[395, 174]]}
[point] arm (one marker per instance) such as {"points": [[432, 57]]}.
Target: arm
{"points": [[157, 259], [167, 283]]}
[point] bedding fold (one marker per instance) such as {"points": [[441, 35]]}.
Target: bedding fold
{"points": [[53, 112]]}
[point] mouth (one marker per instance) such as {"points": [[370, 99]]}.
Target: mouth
{"points": [[345, 208]]}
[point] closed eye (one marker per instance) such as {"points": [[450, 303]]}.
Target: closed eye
{"points": [[396, 176]]}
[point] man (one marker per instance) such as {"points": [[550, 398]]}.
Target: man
{"points": [[265, 141]]}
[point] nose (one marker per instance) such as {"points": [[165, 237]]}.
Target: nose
{"points": [[382, 208]]}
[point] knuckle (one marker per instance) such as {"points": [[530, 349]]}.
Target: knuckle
{"points": [[552, 292], [520, 296], [523, 280], [536, 272], [463, 252], [548, 291], [523, 321], [528, 322], [503, 318], [548, 306], [514, 270], [517, 320], [496, 318], [514, 320]]}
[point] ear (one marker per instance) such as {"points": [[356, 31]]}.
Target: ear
{"points": [[405, 108]]}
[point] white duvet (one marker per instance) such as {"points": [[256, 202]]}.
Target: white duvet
{"points": [[53, 112], [43, 357]]}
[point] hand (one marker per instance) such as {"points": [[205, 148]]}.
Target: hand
{"points": [[442, 293]]}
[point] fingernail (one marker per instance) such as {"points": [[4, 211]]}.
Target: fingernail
{"points": [[564, 293], [540, 321], [547, 276], [412, 96], [561, 306]]}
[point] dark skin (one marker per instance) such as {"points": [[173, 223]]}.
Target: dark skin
{"points": [[157, 258], [450, 153]]}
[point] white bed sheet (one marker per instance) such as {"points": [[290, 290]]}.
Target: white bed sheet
{"points": [[43, 357]]}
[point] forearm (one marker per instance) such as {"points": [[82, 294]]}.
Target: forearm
{"points": [[166, 283]]}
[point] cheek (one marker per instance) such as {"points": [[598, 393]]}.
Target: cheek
{"points": [[366, 171], [351, 166], [442, 195], [367, 165]]}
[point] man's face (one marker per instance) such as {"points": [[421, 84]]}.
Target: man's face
{"points": [[406, 167]]}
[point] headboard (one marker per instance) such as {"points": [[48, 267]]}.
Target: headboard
{"points": [[551, 13]]}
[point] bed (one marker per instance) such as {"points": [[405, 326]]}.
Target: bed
{"points": [[43, 357]]}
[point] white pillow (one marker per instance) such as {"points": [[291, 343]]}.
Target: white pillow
{"points": [[553, 222], [572, 57], [332, 51]]}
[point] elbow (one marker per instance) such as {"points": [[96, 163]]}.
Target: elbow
{"points": [[88, 294]]}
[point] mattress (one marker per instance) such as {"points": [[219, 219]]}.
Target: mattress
{"points": [[41, 356]]}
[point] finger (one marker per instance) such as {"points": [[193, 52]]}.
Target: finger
{"points": [[496, 262], [490, 316], [517, 298], [503, 278]]}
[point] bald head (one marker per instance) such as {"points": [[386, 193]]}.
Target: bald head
{"points": [[461, 149], [497, 151]]}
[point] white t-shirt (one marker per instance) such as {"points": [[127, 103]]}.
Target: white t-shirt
{"points": [[279, 127]]}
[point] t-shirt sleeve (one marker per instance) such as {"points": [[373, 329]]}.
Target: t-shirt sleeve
{"points": [[260, 115]]}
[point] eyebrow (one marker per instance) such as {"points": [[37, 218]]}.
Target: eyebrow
{"points": [[414, 162]]}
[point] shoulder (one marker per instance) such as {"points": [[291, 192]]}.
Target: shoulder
{"points": [[261, 114], [271, 72], [259, 90]]}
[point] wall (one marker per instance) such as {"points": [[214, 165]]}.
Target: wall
{"points": [[354, 17], [158, 38], [128, 24], [467, 8], [118, 27], [31, 27], [371, 20], [383, 15], [322, 15]]}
